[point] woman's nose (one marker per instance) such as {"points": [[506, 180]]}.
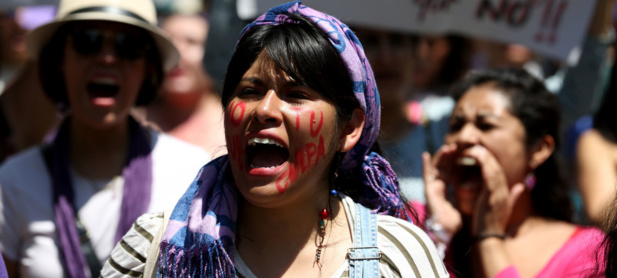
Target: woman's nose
{"points": [[269, 109], [108, 53], [469, 135]]}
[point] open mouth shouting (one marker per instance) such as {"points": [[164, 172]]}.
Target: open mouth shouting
{"points": [[103, 91], [469, 173], [265, 156]]}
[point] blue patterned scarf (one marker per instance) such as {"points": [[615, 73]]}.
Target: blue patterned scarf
{"points": [[199, 239]]}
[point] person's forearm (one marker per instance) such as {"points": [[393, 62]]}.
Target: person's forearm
{"points": [[598, 206], [493, 256]]}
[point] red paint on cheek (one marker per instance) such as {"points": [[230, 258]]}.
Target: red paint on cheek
{"points": [[300, 161], [298, 112], [303, 163], [291, 175], [280, 186], [235, 119], [231, 105], [311, 150], [314, 133], [321, 151]]}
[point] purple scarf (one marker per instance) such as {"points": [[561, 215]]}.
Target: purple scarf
{"points": [[3, 273], [135, 199], [199, 239]]}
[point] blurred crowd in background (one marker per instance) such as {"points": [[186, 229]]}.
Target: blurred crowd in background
{"points": [[414, 74]]}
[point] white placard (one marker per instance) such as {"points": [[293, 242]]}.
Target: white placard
{"points": [[550, 27]]}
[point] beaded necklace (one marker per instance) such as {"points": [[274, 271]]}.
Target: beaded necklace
{"points": [[324, 214]]}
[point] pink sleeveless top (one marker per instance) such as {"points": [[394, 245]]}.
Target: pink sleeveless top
{"points": [[580, 256]]}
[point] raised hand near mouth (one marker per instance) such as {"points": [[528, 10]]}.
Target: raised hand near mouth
{"points": [[436, 174], [494, 204]]}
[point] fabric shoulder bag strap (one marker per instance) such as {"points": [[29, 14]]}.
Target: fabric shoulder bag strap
{"points": [[154, 250], [364, 256], [86, 246]]}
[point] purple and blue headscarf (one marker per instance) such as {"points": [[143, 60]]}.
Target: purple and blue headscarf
{"points": [[199, 239]]}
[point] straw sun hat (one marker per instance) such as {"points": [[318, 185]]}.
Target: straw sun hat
{"points": [[138, 13]]}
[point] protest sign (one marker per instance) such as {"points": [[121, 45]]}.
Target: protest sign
{"points": [[550, 27]]}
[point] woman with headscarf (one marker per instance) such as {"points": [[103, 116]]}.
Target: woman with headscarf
{"points": [[303, 191], [64, 205]]}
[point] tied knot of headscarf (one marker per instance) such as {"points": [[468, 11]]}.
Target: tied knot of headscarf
{"points": [[383, 188]]}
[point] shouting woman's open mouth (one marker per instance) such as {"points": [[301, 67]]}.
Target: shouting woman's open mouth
{"points": [[103, 91], [265, 156]]}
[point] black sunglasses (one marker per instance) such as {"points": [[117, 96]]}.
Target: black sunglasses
{"points": [[127, 46]]}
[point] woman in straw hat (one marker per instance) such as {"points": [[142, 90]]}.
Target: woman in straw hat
{"points": [[303, 191], [65, 205]]}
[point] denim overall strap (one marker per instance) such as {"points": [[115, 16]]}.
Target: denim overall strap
{"points": [[364, 256]]}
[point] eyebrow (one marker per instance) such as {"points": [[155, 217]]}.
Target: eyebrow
{"points": [[478, 116], [253, 80], [260, 82], [487, 115]]}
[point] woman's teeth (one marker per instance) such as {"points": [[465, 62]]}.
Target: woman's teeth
{"points": [[266, 167], [467, 161], [266, 153], [255, 141]]}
